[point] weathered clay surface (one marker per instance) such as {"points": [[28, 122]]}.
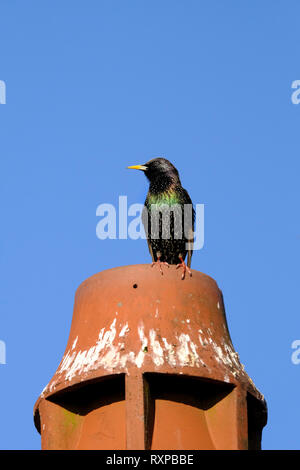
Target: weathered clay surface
{"points": [[132, 320]]}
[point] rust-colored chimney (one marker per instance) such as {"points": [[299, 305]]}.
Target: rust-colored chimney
{"points": [[149, 364]]}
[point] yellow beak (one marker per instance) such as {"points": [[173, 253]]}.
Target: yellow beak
{"points": [[137, 167]]}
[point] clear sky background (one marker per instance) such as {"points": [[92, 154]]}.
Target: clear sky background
{"points": [[94, 86]]}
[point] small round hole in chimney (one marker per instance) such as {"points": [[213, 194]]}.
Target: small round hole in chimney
{"points": [[134, 286]]}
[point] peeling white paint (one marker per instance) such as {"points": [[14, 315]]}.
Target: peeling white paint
{"points": [[82, 361], [187, 351], [74, 343], [171, 354], [228, 357], [109, 352], [157, 350], [139, 359], [124, 330], [201, 340]]}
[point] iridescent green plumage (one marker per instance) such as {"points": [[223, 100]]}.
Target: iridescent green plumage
{"points": [[166, 197]]}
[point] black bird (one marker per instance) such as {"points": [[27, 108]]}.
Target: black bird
{"points": [[168, 216]]}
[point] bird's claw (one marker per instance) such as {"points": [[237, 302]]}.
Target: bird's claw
{"points": [[185, 268], [159, 263]]}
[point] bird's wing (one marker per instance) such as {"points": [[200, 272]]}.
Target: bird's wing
{"points": [[190, 249], [190, 228], [146, 219], [150, 250]]}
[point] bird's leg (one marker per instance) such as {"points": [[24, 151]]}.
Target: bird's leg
{"points": [[184, 266], [158, 255]]}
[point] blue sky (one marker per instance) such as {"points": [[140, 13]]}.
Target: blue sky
{"points": [[92, 87]]}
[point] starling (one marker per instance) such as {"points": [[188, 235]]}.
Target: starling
{"points": [[168, 216]]}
